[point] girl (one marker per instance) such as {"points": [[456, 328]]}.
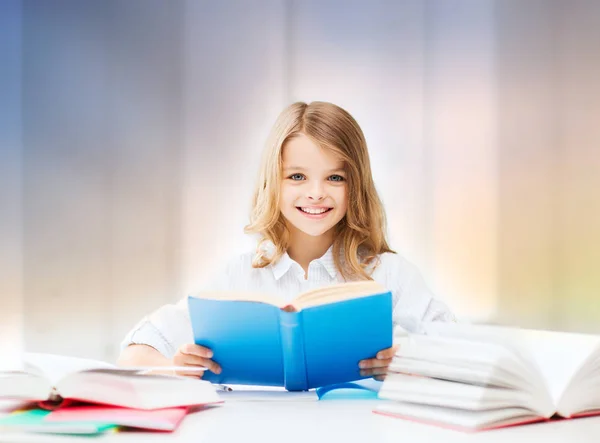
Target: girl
{"points": [[320, 222]]}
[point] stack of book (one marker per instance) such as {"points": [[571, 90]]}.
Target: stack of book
{"points": [[67, 395], [474, 377]]}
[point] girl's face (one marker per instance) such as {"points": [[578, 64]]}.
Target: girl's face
{"points": [[313, 197]]}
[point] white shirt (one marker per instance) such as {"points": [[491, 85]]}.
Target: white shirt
{"points": [[169, 327]]}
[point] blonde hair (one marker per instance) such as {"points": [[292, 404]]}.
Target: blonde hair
{"points": [[360, 235]]}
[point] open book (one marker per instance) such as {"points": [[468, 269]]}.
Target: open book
{"points": [[316, 340], [472, 377], [50, 379]]}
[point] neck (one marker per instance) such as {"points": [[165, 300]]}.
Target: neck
{"points": [[304, 248]]}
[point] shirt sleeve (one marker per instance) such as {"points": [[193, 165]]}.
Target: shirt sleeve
{"points": [[165, 329], [413, 302], [169, 327]]}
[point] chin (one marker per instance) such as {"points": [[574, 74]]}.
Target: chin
{"points": [[314, 232]]}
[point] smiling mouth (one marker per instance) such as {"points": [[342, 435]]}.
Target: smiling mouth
{"points": [[313, 211]]}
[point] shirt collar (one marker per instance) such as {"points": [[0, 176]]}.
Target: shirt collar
{"points": [[328, 263], [283, 265]]}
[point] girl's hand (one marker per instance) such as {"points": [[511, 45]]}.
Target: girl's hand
{"points": [[194, 355], [378, 367]]}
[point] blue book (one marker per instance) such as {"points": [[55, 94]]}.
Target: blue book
{"points": [[316, 340]]}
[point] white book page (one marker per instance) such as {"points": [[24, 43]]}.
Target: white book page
{"points": [[133, 390], [436, 392], [557, 355], [55, 367], [24, 386], [456, 418]]}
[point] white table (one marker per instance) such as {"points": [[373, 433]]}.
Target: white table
{"points": [[334, 421]]}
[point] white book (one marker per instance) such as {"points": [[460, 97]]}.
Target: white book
{"points": [[476, 377], [54, 378]]}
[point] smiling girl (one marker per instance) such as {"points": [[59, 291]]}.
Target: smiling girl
{"points": [[320, 222]]}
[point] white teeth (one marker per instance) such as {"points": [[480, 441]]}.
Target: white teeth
{"points": [[314, 211]]}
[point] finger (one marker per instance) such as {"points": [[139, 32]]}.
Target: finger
{"points": [[380, 377], [387, 353], [194, 360], [192, 349], [373, 371], [188, 360], [374, 363], [208, 364]]}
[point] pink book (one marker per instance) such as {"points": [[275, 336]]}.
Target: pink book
{"points": [[466, 429], [156, 420]]}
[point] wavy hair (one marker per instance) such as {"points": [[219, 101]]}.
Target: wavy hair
{"points": [[360, 235]]}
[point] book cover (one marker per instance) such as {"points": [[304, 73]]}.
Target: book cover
{"points": [[261, 344]]}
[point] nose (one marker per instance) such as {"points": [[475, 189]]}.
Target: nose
{"points": [[316, 191]]}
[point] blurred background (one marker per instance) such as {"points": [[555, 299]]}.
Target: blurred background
{"points": [[130, 134]]}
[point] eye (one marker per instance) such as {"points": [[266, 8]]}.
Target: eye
{"points": [[296, 177], [336, 178]]}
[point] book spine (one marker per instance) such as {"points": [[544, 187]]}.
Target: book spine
{"points": [[294, 360]]}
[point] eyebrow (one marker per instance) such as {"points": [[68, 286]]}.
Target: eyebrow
{"points": [[300, 168]]}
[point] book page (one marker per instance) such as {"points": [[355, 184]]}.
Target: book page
{"points": [[131, 390], [557, 355], [437, 392], [55, 367], [338, 292], [460, 419], [24, 386], [314, 297]]}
